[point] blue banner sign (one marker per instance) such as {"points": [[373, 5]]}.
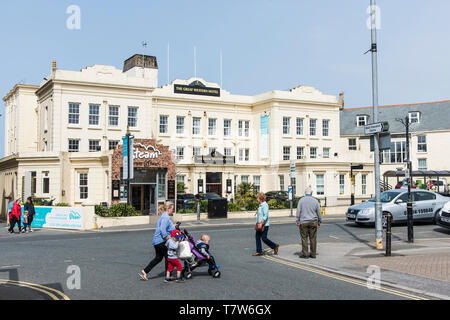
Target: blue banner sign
{"points": [[58, 218]]}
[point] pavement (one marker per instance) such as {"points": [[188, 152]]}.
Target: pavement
{"points": [[422, 268]]}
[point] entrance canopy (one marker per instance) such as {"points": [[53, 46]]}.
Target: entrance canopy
{"points": [[419, 173]]}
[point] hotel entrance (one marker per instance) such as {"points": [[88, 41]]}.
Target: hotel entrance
{"points": [[214, 183], [153, 173], [143, 198]]}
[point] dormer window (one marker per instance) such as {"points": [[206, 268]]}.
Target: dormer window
{"points": [[361, 121], [414, 117]]}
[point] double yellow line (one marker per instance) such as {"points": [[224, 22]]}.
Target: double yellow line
{"points": [[342, 278], [52, 293]]}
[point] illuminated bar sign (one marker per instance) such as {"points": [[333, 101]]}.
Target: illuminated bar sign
{"points": [[197, 88]]}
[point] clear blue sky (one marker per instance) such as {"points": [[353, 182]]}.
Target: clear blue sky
{"points": [[266, 44]]}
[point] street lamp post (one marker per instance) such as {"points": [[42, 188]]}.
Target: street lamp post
{"points": [[408, 176], [373, 49], [409, 209]]}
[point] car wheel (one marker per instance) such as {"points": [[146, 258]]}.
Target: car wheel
{"points": [[434, 220]]}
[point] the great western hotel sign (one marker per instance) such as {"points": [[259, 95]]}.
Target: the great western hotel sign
{"points": [[197, 88]]}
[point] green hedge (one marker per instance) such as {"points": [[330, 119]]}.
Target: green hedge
{"points": [[116, 210]]}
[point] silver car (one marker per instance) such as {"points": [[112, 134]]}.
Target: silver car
{"points": [[426, 206]]}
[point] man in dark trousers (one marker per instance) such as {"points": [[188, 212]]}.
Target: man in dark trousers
{"points": [[309, 218]]}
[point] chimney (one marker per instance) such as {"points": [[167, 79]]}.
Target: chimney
{"points": [[53, 65], [341, 100]]}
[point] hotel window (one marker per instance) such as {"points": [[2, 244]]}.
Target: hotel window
{"points": [[132, 116], [364, 184], [162, 185], [422, 164], [294, 186], [113, 144], [227, 128], [281, 182], [180, 125], [196, 126], [94, 114], [341, 184], [326, 153], [212, 127], [74, 145], [312, 127], [181, 179], [397, 153], [113, 116], [286, 153], [320, 184], [300, 153], [227, 152], [352, 144], [83, 185], [313, 152], [421, 143], [244, 154], [45, 182], [414, 117], [163, 124], [325, 128], [197, 151], [361, 121], [94, 146], [74, 113], [257, 183], [244, 179], [299, 126], [286, 125], [244, 128], [180, 153], [33, 182]]}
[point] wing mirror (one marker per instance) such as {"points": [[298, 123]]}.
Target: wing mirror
{"points": [[399, 201]]}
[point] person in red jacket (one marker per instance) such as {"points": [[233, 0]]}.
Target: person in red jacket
{"points": [[15, 215]]}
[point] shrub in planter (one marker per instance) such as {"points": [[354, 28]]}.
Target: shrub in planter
{"points": [[204, 206], [101, 211], [122, 210], [62, 205], [251, 205], [233, 207], [275, 204]]}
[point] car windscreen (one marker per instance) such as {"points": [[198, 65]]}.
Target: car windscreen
{"points": [[386, 197]]}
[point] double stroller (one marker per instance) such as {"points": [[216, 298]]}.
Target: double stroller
{"points": [[197, 259]]}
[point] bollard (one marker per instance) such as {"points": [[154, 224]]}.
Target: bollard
{"points": [[388, 234]]}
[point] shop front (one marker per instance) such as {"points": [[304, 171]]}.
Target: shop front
{"points": [[154, 173]]}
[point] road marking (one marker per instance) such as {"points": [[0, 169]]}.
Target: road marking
{"points": [[334, 237], [342, 278], [46, 290]]}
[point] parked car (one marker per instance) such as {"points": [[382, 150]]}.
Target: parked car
{"points": [[443, 218], [209, 196], [186, 201], [426, 206], [278, 195]]}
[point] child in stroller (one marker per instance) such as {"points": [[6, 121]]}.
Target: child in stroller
{"points": [[200, 256]]}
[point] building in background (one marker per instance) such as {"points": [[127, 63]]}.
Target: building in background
{"points": [[65, 137]]}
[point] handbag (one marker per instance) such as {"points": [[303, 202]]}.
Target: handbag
{"points": [[260, 227], [184, 250]]}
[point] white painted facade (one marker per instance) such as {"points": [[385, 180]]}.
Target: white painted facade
{"points": [[40, 124]]}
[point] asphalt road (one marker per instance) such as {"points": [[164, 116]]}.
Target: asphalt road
{"points": [[109, 264]]}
